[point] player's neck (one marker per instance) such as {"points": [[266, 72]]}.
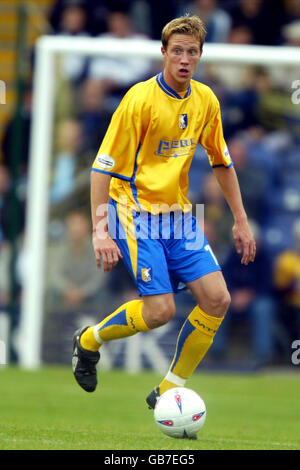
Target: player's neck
{"points": [[176, 86]]}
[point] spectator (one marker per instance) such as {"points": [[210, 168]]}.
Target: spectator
{"points": [[255, 183], [291, 11], [93, 115], [11, 224], [241, 34], [73, 22], [74, 279], [73, 18], [160, 14], [291, 34], [20, 123], [235, 86], [11, 209], [264, 152], [255, 14], [251, 299], [5, 258], [240, 103], [96, 13], [69, 138], [287, 284], [218, 220], [217, 20], [118, 74], [275, 108], [4, 201]]}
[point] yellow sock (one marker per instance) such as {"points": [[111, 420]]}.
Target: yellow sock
{"points": [[88, 340], [127, 320], [193, 342], [166, 385]]}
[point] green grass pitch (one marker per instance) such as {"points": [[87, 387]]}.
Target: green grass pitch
{"points": [[45, 409]]}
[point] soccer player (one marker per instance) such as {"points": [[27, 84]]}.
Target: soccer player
{"points": [[141, 170]]}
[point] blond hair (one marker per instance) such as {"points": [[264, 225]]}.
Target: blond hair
{"points": [[191, 25]]}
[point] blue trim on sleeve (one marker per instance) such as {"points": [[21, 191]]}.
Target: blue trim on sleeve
{"points": [[216, 166], [115, 175]]}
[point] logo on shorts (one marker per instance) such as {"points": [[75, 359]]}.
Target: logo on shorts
{"points": [[146, 274], [105, 161], [183, 121]]}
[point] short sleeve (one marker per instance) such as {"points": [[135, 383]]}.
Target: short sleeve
{"points": [[212, 138], [118, 149]]}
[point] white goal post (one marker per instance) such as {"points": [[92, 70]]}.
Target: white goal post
{"points": [[41, 148]]}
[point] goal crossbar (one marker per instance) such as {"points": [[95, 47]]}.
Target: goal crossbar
{"points": [[225, 53]]}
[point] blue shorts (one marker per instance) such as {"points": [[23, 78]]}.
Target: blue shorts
{"points": [[161, 252]]}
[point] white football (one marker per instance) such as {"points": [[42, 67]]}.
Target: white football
{"points": [[180, 412]]}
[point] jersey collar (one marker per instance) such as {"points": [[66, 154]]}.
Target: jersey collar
{"points": [[168, 90]]}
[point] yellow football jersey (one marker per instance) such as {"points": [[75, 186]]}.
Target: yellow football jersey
{"points": [[150, 142]]}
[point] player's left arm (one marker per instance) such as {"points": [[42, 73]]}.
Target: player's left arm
{"points": [[242, 234]]}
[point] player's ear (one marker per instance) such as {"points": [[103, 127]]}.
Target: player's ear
{"points": [[163, 50]]}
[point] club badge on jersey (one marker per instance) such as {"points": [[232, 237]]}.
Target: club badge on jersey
{"points": [[183, 121]]}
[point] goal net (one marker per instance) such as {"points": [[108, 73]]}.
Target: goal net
{"points": [[78, 83]]}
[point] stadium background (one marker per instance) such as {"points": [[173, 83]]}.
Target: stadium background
{"points": [[262, 128]]}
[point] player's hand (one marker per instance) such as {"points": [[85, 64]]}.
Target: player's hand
{"points": [[107, 250], [244, 241]]}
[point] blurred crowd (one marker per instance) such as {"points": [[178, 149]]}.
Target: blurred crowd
{"points": [[226, 20], [262, 129]]}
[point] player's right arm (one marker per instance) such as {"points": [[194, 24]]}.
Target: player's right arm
{"points": [[115, 158], [104, 246]]}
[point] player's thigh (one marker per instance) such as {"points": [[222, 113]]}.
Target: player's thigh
{"points": [[211, 293], [143, 256], [158, 309]]}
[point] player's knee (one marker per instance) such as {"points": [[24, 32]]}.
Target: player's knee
{"points": [[163, 313], [225, 301], [219, 303]]}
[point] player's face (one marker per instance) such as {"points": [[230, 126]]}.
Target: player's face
{"points": [[181, 58]]}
